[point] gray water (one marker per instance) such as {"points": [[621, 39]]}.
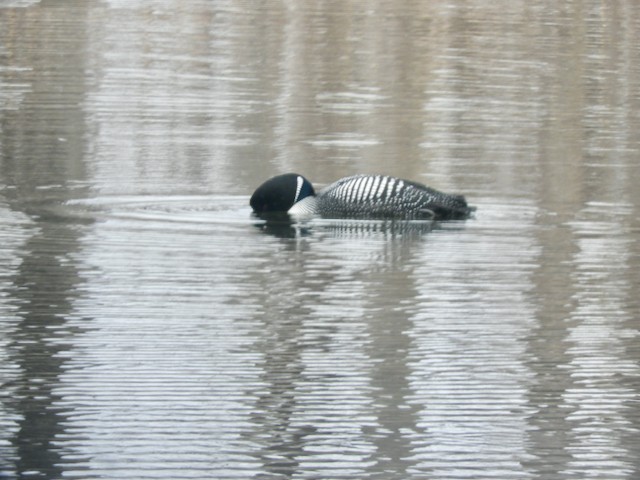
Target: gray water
{"points": [[150, 328]]}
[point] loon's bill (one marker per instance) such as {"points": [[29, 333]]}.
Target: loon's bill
{"points": [[357, 197]]}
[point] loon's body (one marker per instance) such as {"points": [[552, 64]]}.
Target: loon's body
{"points": [[357, 197]]}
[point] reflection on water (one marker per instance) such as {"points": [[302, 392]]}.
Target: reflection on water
{"points": [[150, 327]]}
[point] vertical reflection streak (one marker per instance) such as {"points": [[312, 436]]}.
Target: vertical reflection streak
{"points": [[470, 372], [601, 372]]}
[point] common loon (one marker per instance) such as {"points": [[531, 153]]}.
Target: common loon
{"points": [[357, 197]]}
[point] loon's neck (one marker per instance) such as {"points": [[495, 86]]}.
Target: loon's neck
{"points": [[305, 208]]}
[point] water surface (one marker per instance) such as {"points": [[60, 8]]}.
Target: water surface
{"points": [[151, 328]]}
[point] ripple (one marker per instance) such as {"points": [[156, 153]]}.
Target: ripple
{"points": [[187, 209]]}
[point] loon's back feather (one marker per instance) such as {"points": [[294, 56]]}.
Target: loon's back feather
{"points": [[379, 196]]}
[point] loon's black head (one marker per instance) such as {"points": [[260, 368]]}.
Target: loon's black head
{"points": [[279, 194]]}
